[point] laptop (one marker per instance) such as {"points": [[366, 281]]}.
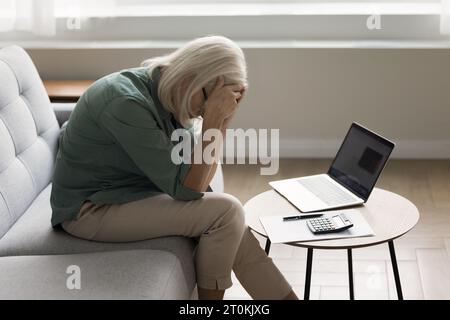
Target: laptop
{"points": [[350, 178]]}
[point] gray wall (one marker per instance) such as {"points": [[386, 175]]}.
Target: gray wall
{"points": [[312, 95]]}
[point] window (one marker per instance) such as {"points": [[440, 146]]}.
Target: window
{"points": [[250, 22], [246, 7]]}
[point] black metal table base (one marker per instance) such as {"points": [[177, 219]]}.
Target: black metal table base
{"points": [[309, 259], [398, 285], [350, 274], [267, 248]]}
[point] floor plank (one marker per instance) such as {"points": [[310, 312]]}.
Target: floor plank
{"points": [[434, 266], [409, 278], [334, 293]]}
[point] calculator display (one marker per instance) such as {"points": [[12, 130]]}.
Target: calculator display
{"points": [[338, 221]]}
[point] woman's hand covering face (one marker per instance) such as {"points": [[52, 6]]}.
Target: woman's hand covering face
{"points": [[223, 100]]}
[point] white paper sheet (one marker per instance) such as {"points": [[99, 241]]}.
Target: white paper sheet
{"points": [[280, 231]]}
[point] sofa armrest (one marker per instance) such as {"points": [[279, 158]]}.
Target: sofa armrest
{"points": [[62, 111]]}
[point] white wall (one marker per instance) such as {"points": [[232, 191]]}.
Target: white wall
{"points": [[312, 95]]}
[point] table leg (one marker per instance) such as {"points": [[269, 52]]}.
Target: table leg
{"points": [[309, 259], [350, 273], [267, 248], [398, 285]]}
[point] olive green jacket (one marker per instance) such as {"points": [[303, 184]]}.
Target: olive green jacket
{"points": [[116, 147]]}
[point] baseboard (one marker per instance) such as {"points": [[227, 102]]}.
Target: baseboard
{"points": [[404, 149]]}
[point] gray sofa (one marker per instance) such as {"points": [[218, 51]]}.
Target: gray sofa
{"points": [[34, 257]]}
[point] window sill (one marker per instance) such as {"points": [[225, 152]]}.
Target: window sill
{"points": [[283, 44], [320, 26], [263, 9]]}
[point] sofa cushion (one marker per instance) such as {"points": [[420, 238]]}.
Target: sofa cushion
{"points": [[135, 274], [32, 234], [28, 134]]}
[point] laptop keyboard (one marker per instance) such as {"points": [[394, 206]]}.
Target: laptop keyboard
{"points": [[326, 191]]}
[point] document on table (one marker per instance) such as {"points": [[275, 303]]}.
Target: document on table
{"points": [[280, 231]]}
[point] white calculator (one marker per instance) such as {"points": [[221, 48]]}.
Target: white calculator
{"points": [[335, 223]]}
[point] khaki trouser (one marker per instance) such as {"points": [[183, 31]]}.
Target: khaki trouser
{"points": [[225, 243]]}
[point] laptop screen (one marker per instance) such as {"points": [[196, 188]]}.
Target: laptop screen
{"points": [[360, 160]]}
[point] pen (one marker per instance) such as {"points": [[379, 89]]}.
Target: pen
{"points": [[302, 217]]}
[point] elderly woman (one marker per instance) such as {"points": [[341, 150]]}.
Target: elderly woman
{"points": [[115, 180]]}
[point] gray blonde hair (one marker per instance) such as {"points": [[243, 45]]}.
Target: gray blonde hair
{"points": [[202, 61]]}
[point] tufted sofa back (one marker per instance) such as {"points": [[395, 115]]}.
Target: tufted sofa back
{"points": [[29, 135]]}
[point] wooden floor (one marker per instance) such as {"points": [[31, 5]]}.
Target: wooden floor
{"points": [[423, 254]]}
